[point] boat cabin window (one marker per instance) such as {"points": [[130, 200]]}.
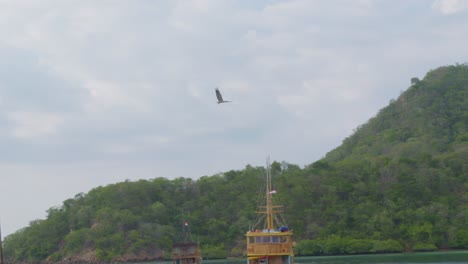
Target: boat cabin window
{"points": [[267, 239]]}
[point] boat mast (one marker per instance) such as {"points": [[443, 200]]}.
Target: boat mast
{"points": [[186, 232], [269, 197]]}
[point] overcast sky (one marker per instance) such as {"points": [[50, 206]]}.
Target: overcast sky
{"points": [[97, 92]]}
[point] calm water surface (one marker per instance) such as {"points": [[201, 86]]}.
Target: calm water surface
{"points": [[459, 257], [428, 258]]}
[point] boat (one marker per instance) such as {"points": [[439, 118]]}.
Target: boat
{"points": [[186, 251], [270, 240]]}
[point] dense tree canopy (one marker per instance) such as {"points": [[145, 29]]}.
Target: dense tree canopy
{"points": [[398, 183]]}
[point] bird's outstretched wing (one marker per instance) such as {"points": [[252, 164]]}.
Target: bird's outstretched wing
{"points": [[218, 96]]}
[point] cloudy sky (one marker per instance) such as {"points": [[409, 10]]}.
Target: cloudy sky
{"points": [[97, 92]]}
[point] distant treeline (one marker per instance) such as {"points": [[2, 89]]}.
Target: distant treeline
{"points": [[399, 183]]}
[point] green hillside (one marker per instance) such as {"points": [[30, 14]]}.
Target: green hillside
{"points": [[399, 183]]}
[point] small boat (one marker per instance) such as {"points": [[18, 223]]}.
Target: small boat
{"points": [[270, 241], [186, 251]]}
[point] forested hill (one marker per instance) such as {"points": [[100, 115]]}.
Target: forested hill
{"points": [[398, 183], [429, 119]]}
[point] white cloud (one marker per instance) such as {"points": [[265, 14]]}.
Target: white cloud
{"points": [[107, 94], [135, 145], [34, 125], [194, 17], [448, 7]]}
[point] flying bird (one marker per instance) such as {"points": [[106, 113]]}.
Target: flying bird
{"points": [[220, 97]]}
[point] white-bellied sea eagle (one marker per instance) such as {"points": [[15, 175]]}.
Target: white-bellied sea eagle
{"points": [[220, 97]]}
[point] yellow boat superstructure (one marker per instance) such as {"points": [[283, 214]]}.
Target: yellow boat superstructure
{"points": [[270, 247], [273, 244]]}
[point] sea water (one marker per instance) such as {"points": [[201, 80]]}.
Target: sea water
{"points": [[452, 257], [408, 258]]}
